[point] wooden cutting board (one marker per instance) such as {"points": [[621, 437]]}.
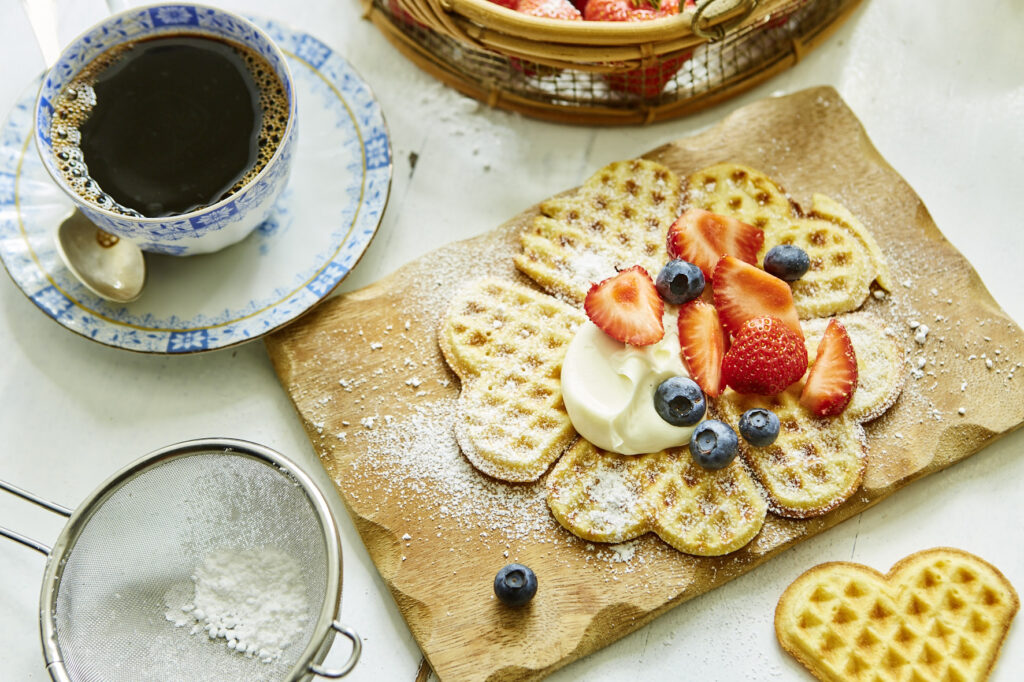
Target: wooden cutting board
{"points": [[376, 398]]}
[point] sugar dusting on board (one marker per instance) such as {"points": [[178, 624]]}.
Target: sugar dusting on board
{"points": [[399, 413]]}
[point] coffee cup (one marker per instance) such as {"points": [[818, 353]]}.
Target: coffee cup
{"points": [[70, 132]]}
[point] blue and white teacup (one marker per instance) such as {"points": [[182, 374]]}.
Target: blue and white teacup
{"points": [[206, 229]]}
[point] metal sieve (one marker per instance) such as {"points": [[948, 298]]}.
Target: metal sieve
{"points": [[146, 530]]}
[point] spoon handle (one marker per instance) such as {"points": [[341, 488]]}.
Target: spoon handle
{"points": [[42, 15]]}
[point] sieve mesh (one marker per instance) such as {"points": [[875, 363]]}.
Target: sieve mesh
{"points": [[148, 536]]}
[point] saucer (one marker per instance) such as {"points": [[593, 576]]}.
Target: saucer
{"points": [[321, 225]]}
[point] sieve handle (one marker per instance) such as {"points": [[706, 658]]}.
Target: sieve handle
{"points": [[26, 495], [357, 648]]}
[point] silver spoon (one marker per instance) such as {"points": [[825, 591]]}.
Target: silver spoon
{"points": [[109, 267]]}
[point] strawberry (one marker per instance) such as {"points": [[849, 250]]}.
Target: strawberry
{"points": [[627, 307], [833, 377], [743, 291], [702, 341], [648, 81], [702, 238], [766, 356], [549, 9], [630, 10]]}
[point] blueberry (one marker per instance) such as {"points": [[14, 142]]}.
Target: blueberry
{"points": [[515, 584], [787, 262], [679, 281], [713, 444], [679, 401], [759, 427]]}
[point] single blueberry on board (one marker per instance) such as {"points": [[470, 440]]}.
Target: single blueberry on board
{"points": [[515, 584]]}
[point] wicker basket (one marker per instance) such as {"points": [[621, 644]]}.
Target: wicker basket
{"points": [[606, 72]]}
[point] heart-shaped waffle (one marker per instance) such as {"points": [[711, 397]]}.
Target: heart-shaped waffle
{"points": [[606, 497], [618, 218], [939, 614], [816, 464], [506, 342], [845, 259]]}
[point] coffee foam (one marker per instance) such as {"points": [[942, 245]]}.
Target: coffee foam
{"points": [[76, 101]]}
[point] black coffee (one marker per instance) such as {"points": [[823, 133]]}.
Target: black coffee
{"points": [[167, 125]]}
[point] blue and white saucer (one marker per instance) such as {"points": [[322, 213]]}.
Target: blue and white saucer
{"points": [[322, 224]]}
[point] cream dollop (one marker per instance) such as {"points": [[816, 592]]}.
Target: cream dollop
{"points": [[608, 389]]}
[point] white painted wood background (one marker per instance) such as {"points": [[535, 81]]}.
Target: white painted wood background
{"points": [[939, 86]]}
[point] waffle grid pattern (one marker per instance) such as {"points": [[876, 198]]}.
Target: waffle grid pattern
{"points": [[940, 614], [813, 466], [618, 218], [606, 497], [506, 342]]}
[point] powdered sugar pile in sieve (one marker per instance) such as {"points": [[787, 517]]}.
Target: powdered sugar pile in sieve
{"points": [[254, 599]]}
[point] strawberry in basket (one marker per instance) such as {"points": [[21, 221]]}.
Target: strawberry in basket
{"points": [[649, 80], [550, 9], [546, 9]]}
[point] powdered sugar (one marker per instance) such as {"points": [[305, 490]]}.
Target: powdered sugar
{"points": [[253, 599], [419, 459]]}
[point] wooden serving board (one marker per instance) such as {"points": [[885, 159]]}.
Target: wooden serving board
{"points": [[376, 398]]}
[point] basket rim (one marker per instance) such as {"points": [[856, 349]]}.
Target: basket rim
{"points": [[496, 17]]}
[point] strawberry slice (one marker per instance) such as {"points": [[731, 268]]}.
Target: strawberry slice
{"points": [[743, 292], [765, 357], [702, 238], [833, 377], [702, 341], [547, 9], [627, 307]]}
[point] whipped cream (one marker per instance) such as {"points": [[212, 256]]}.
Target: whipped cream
{"points": [[608, 389]]}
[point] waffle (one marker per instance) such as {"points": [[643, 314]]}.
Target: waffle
{"points": [[618, 218], [880, 366], [940, 614], [605, 497], [816, 464], [845, 259], [506, 342]]}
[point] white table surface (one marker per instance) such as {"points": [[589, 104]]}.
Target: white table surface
{"points": [[939, 86]]}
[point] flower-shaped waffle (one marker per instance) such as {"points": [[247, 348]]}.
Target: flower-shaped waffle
{"points": [[606, 497]]}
